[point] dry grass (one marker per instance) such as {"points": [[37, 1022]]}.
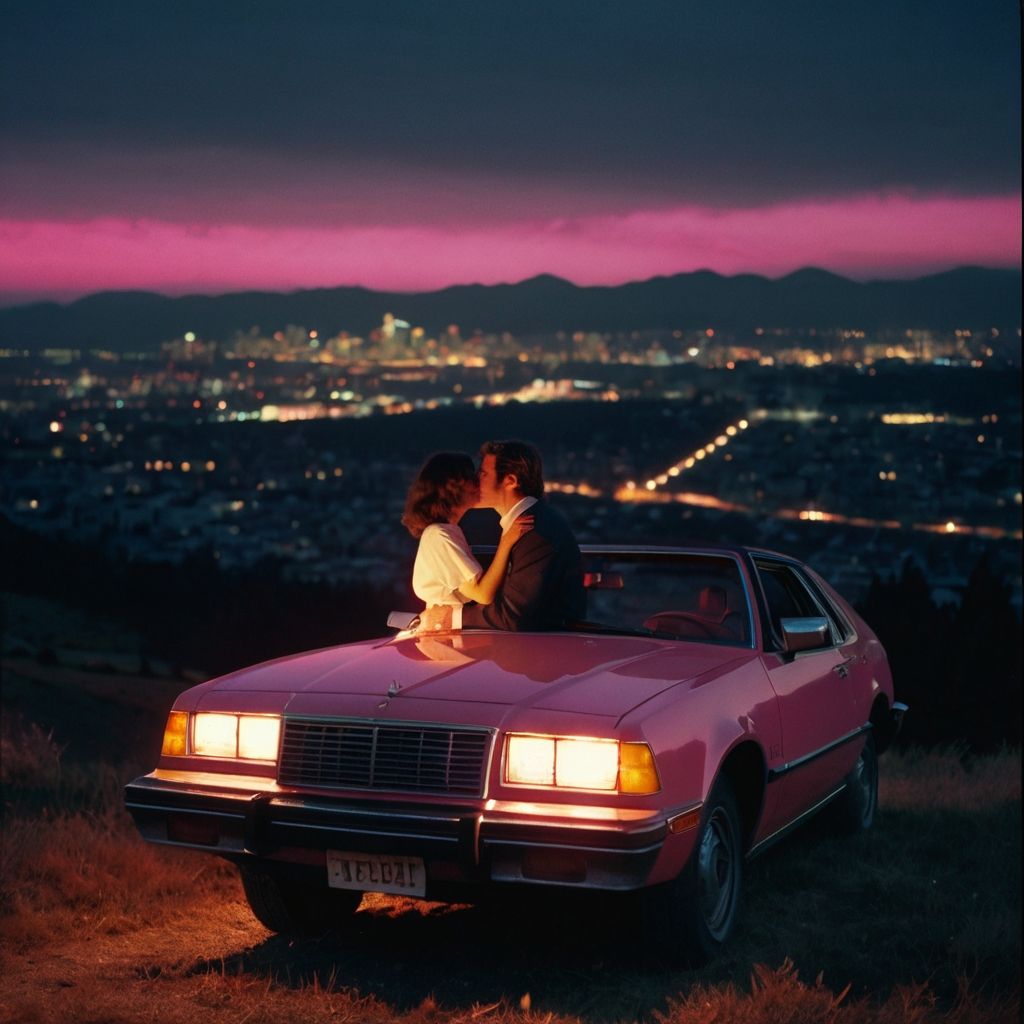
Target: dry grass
{"points": [[917, 922], [770, 997], [71, 861], [948, 779]]}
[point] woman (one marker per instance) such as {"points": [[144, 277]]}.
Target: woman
{"points": [[446, 572]]}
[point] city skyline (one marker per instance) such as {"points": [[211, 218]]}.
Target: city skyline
{"points": [[192, 150]]}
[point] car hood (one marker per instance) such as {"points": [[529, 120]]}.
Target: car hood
{"points": [[579, 673]]}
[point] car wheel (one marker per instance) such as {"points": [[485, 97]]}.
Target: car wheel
{"points": [[699, 909], [294, 906], [854, 809]]}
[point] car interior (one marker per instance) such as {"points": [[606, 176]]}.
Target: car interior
{"points": [[691, 598]]}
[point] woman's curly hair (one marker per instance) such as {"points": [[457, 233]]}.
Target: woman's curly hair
{"points": [[438, 490]]}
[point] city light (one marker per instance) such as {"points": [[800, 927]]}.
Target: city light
{"points": [[792, 471]]}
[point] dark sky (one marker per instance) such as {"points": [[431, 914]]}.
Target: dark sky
{"points": [[570, 117]]}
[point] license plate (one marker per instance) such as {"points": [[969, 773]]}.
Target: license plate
{"points": [[374, 872]]}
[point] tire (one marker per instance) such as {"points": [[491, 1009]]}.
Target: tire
{"points": [[293, 906], [853, 811], [692, 917]]}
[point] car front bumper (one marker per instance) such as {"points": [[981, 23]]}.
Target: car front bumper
{"points": [[461, 845]]}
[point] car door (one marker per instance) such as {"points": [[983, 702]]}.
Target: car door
{"points": [[820, 740]]}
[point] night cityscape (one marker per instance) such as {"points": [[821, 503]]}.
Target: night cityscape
{"points": [[859, 450]]}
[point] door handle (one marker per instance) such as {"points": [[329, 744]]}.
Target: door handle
{"points": [[841, 669]]}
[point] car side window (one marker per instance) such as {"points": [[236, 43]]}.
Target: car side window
{"points": [[841, 629], [786, 596]]}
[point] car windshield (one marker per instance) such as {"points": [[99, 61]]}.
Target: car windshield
{"points": [[683, 596]]}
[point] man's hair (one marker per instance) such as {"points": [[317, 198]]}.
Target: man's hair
{"points": [[522, 460], [438, 490]]}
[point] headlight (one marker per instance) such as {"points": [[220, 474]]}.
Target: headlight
{"points": [[250, 737], [215, 735], [574, 763]]}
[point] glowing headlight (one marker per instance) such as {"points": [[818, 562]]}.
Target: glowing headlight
{"points": [[215, 735], [573, 763], [257, 737], [531, 760], [586, 764], [252, 737]]}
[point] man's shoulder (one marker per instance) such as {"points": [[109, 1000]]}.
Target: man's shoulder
{"points": [[550, 522]]}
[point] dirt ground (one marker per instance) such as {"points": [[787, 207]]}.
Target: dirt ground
{"points": [[403, 959]]}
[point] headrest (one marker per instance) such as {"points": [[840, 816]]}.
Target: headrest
{"points": [[713, 603]]}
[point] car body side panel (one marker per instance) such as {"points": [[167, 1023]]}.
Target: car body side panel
{"points": [[817, 706], [693, 733]]}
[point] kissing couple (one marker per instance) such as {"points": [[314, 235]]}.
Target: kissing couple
{"points": [[535, 580]]}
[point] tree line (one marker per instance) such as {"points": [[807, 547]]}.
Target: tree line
{"points": [[958, 667], [196, 615]]}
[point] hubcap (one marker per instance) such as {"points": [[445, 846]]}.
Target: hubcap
{"points": [[717, 873]]}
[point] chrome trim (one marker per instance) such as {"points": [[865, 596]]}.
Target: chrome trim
{"points": [[304, 805], [147, 785], [220, 849], [798, 820], [520, 879], [571, 826], [699, 806], [277, 823], [618, 850], [490, 732], [131, 805], [776, 773], [387, 722]]}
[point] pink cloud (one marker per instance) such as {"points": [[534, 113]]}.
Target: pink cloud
{"points": [[868, 236]]}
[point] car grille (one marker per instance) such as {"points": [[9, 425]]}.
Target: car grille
{"points": [[368, 755]]}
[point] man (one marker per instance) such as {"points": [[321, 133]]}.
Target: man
{"points": [[543, 586]]}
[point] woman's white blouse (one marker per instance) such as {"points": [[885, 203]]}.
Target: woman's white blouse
{"points": [[443, 562]]}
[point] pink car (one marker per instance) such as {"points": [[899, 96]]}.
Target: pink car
{"points": [[714, 699]]}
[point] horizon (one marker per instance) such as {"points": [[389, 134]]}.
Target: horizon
{"points": [[8, 301]]}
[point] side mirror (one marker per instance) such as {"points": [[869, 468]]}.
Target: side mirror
{"points": [[804, 634], [403, 620]]}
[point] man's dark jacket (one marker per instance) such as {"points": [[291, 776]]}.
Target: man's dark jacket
{"points": [[543, 585]]}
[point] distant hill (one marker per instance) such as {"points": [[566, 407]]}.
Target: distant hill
{"points": [[136, 321]]}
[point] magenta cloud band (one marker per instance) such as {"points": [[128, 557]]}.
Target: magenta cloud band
{"points": [[862, 237]]}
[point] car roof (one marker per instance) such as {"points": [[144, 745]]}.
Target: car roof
{"points": [[698, 547]]}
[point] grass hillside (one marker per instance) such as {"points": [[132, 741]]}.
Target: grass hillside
{"points": [[918, 921]]}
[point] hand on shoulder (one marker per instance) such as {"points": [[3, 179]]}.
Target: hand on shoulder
{"points": [[520, 528]]}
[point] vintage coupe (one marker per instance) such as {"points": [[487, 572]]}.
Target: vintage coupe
{"points": [[714, 699]]}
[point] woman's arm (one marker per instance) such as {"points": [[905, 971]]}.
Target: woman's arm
{"points": [[483, 589]]}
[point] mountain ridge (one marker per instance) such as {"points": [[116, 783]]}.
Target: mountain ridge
{"points": [[810, 297]]}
